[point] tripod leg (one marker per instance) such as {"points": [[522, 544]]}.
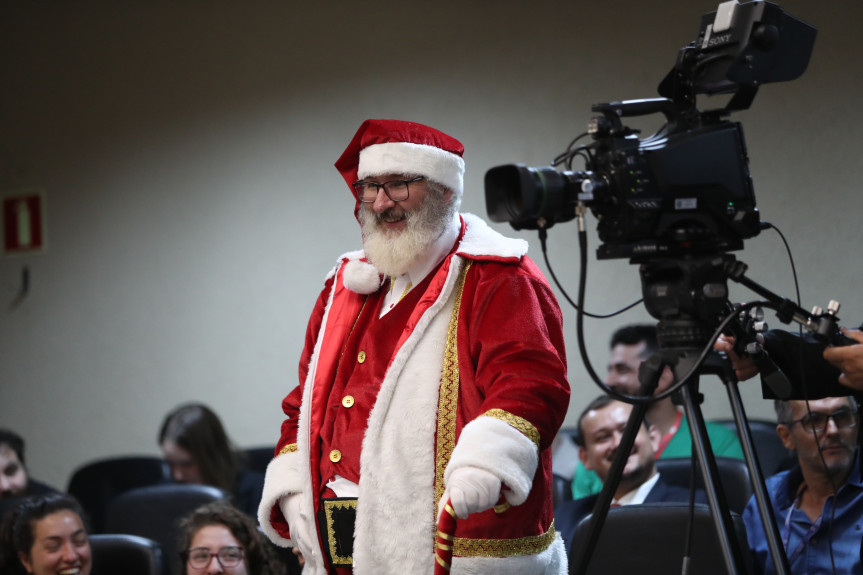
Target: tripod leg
{"points": [[768, 522], [582, 551], [715, 495]]}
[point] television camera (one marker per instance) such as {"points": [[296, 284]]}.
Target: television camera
{"points": [[676, 203], [686, 189]]}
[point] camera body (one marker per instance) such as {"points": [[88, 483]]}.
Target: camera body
{"points": [[686, 189]]}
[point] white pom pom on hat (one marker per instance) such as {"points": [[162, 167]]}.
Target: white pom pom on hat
{"points": [[361, 277]]}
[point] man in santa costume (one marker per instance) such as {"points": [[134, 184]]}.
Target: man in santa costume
{"points": [[434, 370]]}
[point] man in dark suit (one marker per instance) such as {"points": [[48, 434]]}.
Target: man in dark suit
{"points": [[601, 427]]}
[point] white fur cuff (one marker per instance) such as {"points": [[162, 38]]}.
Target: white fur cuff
{"points": [[283, 478], [497, 447]]}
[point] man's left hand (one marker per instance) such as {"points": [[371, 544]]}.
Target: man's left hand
{"points": [[471, 490], [849, 359]]}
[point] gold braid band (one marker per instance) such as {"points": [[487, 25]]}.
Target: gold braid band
{"points": [[504, 547], [519, 423], [448, 398]]}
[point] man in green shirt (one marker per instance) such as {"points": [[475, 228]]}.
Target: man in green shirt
{"points": [[630, 345]]}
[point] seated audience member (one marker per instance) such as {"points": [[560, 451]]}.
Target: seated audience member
{"points": [[630, 346], [219, 538], [14, 479], [601, 427], [817, 505], [45, 535], [198, 450]]}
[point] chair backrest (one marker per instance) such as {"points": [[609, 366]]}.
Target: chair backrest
{"points": [[561, 483], [561, 489], [115, 553], [572, 432], [257, 458], [733, 474], [97, 483], [773, 457], [651, 538], [155, 512]]}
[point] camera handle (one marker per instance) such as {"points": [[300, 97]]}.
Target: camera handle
{"points": [[823, 325], [689, 397]]}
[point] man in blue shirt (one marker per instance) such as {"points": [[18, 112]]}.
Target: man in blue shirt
{"points": [[817, 505]]}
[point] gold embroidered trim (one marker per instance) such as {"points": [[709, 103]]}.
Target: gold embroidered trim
{"points": [[504, 547], [519, 423], [289, 448], [448, 399], [329, 505], [404, 293]]}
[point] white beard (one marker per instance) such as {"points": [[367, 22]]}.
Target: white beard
{"points": [[393, 252]]}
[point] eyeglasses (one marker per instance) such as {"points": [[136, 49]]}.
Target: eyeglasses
{"points": [[817, 422], [200, 557], [396, 190]]}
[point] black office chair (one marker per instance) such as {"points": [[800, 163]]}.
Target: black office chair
{"points": [[651, 538], [772, 455], [115, 553], [733, 474], [257, 458], [155, 512], [561, 489], [561, 486], [97, 483], [570, 431]]}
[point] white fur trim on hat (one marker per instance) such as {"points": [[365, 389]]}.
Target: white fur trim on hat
{"points": [[434, 163]]}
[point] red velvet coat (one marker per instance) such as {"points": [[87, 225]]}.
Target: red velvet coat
{"points": [[478, 378]]}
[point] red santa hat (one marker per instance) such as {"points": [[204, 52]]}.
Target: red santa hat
{"points": [[396, 147]]}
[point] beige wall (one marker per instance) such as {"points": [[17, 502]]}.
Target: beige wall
{"points": [[186, 150]]}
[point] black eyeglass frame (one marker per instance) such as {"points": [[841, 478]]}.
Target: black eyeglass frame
{"points": [[187, 554], [810, 425], [358, 188]]}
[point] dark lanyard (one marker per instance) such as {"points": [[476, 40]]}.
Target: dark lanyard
{"points": [[786, 532]]}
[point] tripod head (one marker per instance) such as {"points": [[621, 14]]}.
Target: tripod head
{"points": [[689, 298]]}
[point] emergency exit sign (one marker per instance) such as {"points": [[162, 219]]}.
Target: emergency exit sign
{"points": [[23, 222]]}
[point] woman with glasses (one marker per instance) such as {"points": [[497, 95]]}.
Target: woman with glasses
{"points": [[45, 535], [219, 538]]}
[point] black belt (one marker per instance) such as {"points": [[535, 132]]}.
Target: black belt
{"points": [[336, 520]]}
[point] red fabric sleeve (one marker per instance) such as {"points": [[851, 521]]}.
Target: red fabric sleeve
{"points": [[516, 350]]}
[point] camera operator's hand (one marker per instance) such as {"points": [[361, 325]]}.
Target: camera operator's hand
{"points": [[849, 359], [744, 367]]}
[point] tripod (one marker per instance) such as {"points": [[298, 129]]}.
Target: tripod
{"points": [[691, 292]]}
